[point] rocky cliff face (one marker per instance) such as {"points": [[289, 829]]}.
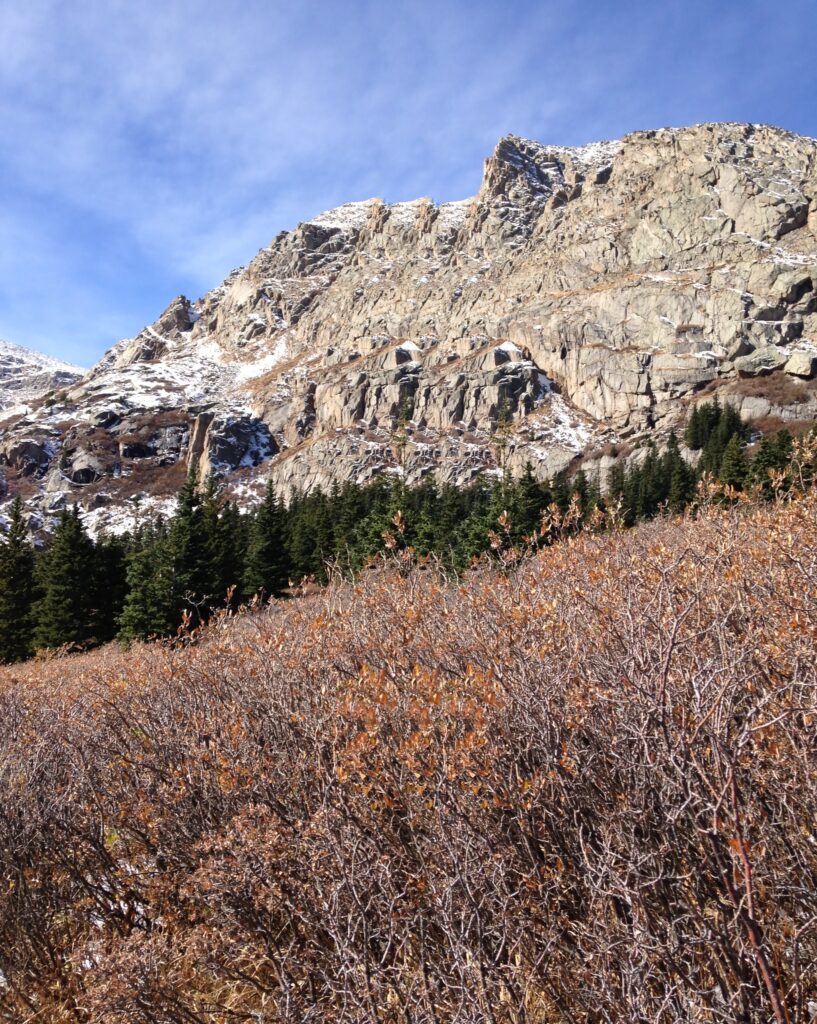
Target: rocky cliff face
{"points": [[583, 296]]}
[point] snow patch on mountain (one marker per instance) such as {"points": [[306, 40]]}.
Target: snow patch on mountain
{"points": [[26, 376]]}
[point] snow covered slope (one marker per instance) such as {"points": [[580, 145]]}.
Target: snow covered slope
{"points": [[27, 376]]}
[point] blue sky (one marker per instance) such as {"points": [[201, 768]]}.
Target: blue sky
{"points": [[147, 148]]}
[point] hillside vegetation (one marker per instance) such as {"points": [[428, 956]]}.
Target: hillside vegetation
{"points": [[209, 554], [581, 788]]}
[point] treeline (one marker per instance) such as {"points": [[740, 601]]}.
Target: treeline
{"points": [[170, 573]]}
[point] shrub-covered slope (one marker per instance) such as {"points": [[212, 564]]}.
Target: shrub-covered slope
{"points": [[580, 790]]}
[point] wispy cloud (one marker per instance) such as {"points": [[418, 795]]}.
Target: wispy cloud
{"points": [[148, 148]]}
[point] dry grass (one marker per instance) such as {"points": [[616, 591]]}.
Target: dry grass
{"points": [[778, 388], [581, 790]]}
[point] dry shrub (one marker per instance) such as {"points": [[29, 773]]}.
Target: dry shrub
{"points": [[779, 388], [579, 791]]}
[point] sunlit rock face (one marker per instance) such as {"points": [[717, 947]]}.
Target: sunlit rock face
{"points": [[583, 296]]}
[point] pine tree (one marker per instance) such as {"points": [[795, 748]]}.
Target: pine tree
{"points": [[323, 536], [109, 585], [267, 570], [784, 446], [65, 581], [733, 464], [191, 553], [219, 560], [152, 602], [233, 542], [616, 481], [763, 464], [449, 518], [580, 490], [16, 588], [693, 434], [529, 499], [679, 478]]}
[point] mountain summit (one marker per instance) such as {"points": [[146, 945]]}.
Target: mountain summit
{"points": [[584, 297]]}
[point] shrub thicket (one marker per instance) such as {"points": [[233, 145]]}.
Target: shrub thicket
{"points": [[575, 787]]}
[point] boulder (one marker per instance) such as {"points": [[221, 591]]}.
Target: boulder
{"points": [[802, 364], [760, 362], [85, 467], [26, 455], [229, 442], [741, 347]]}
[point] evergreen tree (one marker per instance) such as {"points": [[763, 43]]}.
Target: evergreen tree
{"points": [[220, 558], [581, 490], [109, 585], [449, 519], [678, 477], [681, 487], [616, 483], [267, 570], [733, 468], [191, 547], [784, 448], [152, 602], [323, 536], [694, 434], [763, 464], [65, 582], [234, 538], [16, 588], [529, 499]]}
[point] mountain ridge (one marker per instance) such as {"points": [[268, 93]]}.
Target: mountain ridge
{"points": [[26, 373], [583, 298]]}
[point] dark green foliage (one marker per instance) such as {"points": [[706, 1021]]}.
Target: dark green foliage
{"points": [[679, 477], [64, 612], [16, 588], [772, 456], [109, 585], [267, 567], [734, 467], [151, 605]]}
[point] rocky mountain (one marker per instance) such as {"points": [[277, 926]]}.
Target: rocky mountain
{"points": [[26, 376], [574, 307]]}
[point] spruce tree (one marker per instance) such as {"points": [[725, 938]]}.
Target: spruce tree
{"points": [[16, 588], [449, 520], [763, 464], [151, 605], [267, 570], [616, 481], [693, 434], [191, 553], [65, 583], [784, 446], [679, 478], [109, 585], [733, 464]]}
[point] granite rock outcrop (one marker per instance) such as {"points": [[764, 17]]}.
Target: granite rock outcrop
{"points": [[584, 297]]}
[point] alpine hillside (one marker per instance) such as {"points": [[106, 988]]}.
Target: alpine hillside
{"points": [[580, 303], [25, 376]]}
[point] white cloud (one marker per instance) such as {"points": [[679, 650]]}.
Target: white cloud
{"points": [[175, 137]]}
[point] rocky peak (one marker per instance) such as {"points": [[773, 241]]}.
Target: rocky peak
{"points": [[158, 340], [528, 173], [586, 296]]}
